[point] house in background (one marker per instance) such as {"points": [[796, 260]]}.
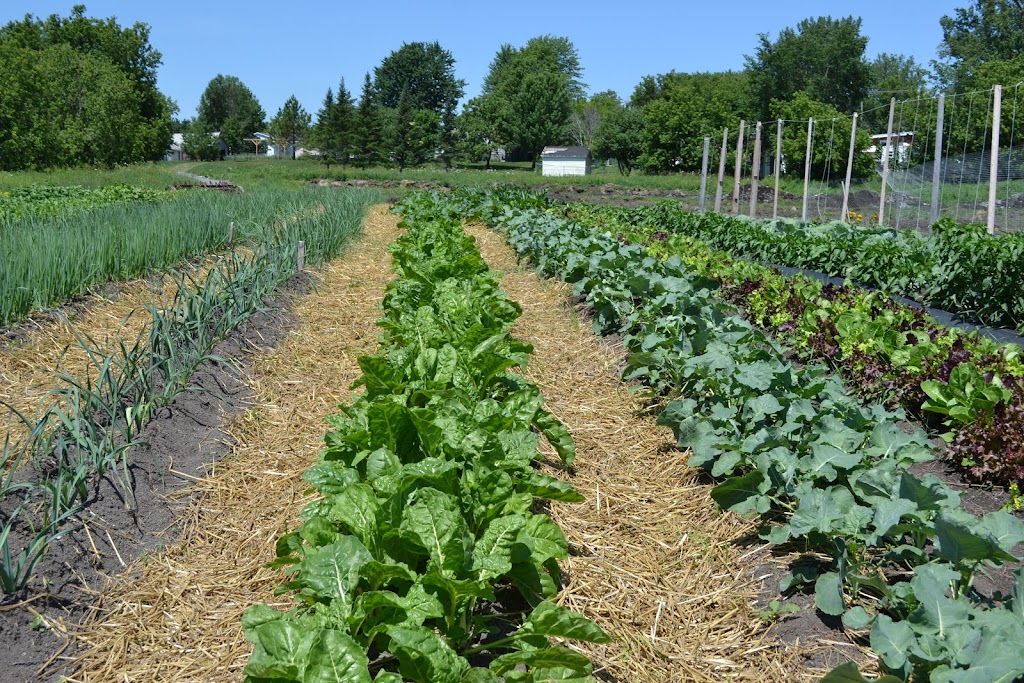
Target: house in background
{"points": [[558, 161], [902, 143], [174, 152]]}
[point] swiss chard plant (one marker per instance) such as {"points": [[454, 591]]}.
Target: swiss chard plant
{"points": [[422, 557]]}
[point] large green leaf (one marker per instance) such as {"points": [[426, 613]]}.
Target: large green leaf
{"points": [[891, 640], [334, 657], [432, 520], [828, 594], [281, 651], [741, 494], [425, 657], [544, 486], [849, 673], [356, 508], [557, 435], [492, 553], [959, 542], [552, 620], [551, 657], [333, 571]]}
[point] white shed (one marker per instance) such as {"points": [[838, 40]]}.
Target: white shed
{"points": [[565, 161]]}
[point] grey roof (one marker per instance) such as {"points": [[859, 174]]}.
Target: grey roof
{"points": [[575, 152]]}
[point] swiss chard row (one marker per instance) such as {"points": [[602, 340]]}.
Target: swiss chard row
{"points": [[825, 473], [966, 387], [422, 557]]}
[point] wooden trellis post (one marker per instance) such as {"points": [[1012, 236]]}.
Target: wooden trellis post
{"points": [[721, 171], [704, 172], [845, 216], [807, 168], [737, 171], [755, 175], [885, 162], [993, 169]]}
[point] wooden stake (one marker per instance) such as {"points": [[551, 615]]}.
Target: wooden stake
{"points": [[704, 173], [778, 168], [807, 168], [755, 175], [721, 171], [993, 169], [231, 233], [737, 171], [845, 215], [885, 162], [302, 255], [937, 171]]}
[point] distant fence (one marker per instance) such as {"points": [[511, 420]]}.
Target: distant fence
{"points": [[953, 156]]}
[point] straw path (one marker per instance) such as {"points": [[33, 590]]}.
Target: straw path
{"points": [[651, 560], [177, 617]]}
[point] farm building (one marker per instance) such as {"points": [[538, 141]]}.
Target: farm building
{"points": [[565, 161], [174, 152]]}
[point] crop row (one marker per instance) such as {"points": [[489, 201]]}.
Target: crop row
{"points": [[964, 386], [87, 425], [53, 200], [958, 268], [47, 260], [827, 475], [422, 558]]}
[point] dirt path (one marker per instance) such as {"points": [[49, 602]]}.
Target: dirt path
{"points": [[651, 559], [176, 616]]}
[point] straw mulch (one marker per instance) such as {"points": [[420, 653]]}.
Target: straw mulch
{"points": [[177, 616], [651, 560]]}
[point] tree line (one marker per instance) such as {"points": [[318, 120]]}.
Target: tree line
{"points": [[83, 91]]}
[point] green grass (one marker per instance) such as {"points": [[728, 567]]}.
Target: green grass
{"points": [[161, 175]]}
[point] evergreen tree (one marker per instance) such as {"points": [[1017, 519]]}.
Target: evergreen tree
{"points": [[291, 123], [366, 139]]}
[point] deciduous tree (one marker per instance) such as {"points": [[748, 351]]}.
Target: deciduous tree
{"points": [[620, 136], [985, 31], [822, 57], [228, 106]]}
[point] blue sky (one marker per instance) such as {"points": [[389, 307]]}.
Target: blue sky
{"points": [[302, 48]]}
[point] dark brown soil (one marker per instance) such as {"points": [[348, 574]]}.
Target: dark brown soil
{"points": [[181, 442]]}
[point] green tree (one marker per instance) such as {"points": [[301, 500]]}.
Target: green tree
{"points": [[228, 106], [83, 72], [367, 134], [587, 116], [892, 75], [323, 135], [199, 142], [412, 135], [681, 109], [620, 136], [290, 124], [424, 73], [830, 142], [984, 31], [477, 131], [530, 93], [823, 57]]}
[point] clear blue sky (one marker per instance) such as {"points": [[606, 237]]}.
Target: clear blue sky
{"points": [[305, 46]]}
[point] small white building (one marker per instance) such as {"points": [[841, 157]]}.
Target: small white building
{"points": [[174, 153], [557, 161], [899, 153]]}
